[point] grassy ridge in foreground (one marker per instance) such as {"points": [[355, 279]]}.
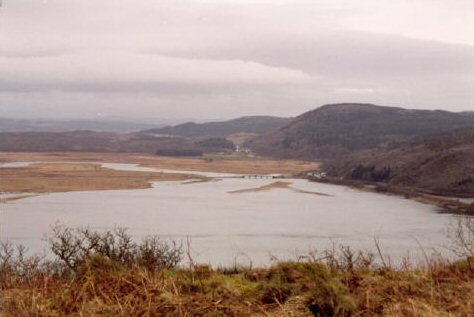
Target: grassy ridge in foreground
{"points": [[107, 274]]}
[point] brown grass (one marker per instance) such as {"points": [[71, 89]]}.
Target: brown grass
{"points": [[109, 274], [102, 288], [66, 177], [63, 173], [223, 165]]}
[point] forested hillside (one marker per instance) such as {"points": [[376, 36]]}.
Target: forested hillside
{"points": [[333, 131]]}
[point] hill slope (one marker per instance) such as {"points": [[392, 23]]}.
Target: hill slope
{"points": [[333, 131], [443, 165], [256, 124]]}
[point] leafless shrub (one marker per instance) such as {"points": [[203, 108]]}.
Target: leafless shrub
{"points": [[346, 258], [7, 252], [17, 265], [27, 265], [75, 247], [461, 233], [155, 254], [66, 245], [340, 257]]}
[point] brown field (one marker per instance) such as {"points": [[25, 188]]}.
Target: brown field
{"points": [[66, 177], [64, 172], [244, 166]]}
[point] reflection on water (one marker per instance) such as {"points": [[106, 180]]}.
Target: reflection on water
{"points": [[225, 227], [14, 164]]}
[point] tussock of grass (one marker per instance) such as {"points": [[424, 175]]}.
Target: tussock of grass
{"points": [[111, 278], [103, 288]]}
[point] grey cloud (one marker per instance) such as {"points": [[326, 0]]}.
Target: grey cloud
{"points": [[349, 54], [228, 58]]}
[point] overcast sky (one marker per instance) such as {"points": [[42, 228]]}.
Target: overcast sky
{"points": [[207, 59]]}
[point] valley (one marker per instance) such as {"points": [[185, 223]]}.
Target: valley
{"points": [[353, 177]]}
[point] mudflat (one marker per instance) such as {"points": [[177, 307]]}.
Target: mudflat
{"points": [[64, 172], [66, 177], [273, 185], [222, 165]]}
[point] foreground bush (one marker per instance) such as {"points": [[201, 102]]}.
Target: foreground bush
{"points": [[108, 274], [75, 247]]}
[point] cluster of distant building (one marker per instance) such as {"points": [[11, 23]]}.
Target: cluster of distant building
{"points": [[246, 151], [317, 174]]}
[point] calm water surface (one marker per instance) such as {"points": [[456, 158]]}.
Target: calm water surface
{"points": [[224, 227]]}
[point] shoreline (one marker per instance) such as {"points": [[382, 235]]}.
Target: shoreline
{"points": [[69, 172], [217, 165], [444, 202]]}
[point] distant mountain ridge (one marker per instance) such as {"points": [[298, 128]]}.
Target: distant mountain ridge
{"points": [[336, 130], [250, 124], [187, 138], [65, 125], [93, 141]]}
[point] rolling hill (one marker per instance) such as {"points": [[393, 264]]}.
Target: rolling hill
{"points": [[337, 130], [255, 124], [92, 141]]}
